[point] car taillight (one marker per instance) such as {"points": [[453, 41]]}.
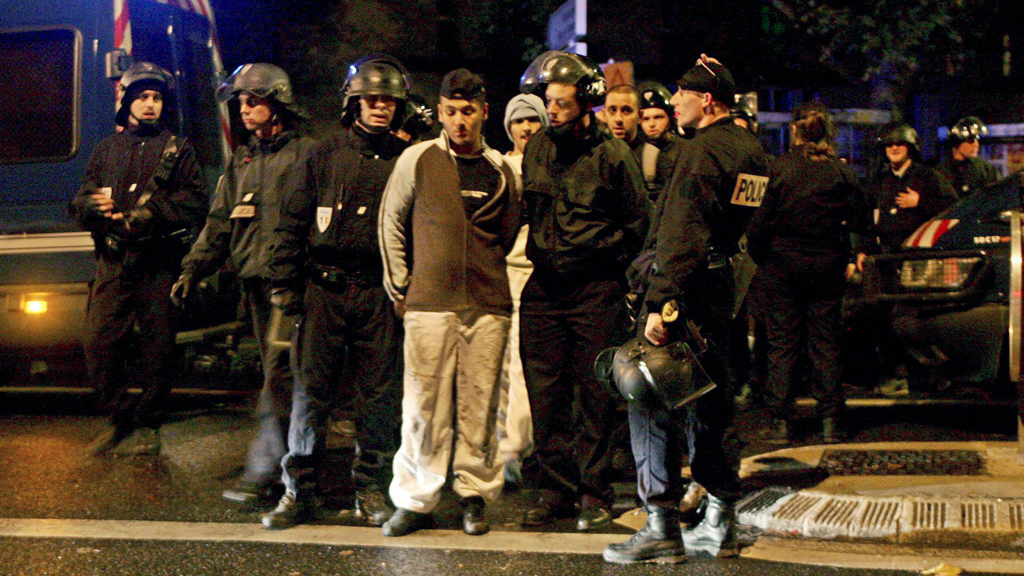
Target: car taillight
{"points": [[937, 273]]}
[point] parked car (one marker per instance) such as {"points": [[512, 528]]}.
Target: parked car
{"points": [[955, 289]]}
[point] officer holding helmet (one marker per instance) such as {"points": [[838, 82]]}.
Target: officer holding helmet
{"points": [[240, 228], [717, 184], [587, 210], [663, 143], [142, 197], [326, 266], [964, 170]]}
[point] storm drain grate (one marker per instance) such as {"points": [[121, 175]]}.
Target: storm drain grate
{"points": [[927, 515], [1017, 517], [978, 515], [880, 518], [903, 462]]}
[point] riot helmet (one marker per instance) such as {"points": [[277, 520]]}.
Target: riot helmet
{"points": [[419, 118], [902, 134], [654, 95], [263, 80], [745, 109], [139, 77], [966, 128], [667, 376], [565, 68], [376, 75]]}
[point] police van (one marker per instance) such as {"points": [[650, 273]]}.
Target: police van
{"points": [[59, 62]]}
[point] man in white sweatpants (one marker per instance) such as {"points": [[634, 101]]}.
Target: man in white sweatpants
{"points": [[449, 215]]}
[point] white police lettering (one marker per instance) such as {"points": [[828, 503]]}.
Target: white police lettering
{"points": [[323, 218], [991, 239], [749, 190]]}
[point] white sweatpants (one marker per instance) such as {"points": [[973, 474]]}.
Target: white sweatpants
{"points": [[515, 424], [452, 366]]}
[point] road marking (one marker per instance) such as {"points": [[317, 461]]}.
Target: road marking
{"points": [[494, 541]]}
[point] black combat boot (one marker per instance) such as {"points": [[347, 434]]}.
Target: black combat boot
{"points": [[658, 541], [714, 536]]}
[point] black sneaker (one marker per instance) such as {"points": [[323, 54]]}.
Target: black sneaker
{"points": [[249, 494], [404, 522], [373, 507], [658, 541], [545, 512], [593, 518], [473, 521], [290, 511]]}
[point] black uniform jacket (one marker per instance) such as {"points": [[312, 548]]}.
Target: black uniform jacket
{"points": [[586, 205], [247, 207], [125, 163], [810, 207], [329, 214], [895, 224], [967, 176], [718, 182]]}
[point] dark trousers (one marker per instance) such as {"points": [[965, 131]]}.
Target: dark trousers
{"points": [[263, 460], [349, 345], [657, 434], [805, 297], [562, 330], [123, 295]]}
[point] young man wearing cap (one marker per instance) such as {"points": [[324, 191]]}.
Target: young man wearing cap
{"points": [[449, 216], [585, 202], [718, 182], [142, 197], [326, 267], [524, 117], [240, 228]]}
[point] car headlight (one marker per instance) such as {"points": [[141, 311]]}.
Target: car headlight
{"points": [[937, 273]]}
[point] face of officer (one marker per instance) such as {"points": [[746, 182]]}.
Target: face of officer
{"points": [[563, 107], [898, 154], [257, 113], [146, 108], [689, 105], [376, 111], [522, 129], [967, 149], [654, 122], [463, 122], [622, 113]]}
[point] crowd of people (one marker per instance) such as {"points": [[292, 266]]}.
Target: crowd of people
{"points": [[457, 297]]}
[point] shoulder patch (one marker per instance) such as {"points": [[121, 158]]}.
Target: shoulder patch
{"points": [[749, 190]]}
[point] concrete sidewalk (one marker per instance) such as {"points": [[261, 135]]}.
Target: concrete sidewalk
{"points": [[906, 505]]}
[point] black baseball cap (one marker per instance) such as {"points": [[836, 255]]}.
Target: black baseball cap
{"points": [[461, 84], [710, 77]]}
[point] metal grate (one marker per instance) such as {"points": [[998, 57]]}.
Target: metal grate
{"points": [[1017, 517], [978, 515], [903, 462], [928, 516]]}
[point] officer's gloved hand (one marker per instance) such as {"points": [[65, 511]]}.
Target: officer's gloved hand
{"points": [[137, 220], [288, 300], [181, 289]]}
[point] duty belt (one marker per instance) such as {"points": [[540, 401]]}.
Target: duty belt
{"points": [[334, 278]]}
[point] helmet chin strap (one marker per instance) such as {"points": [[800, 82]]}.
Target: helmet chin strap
{"points": [[371, 129]]}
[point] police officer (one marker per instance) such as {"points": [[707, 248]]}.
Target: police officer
{"points": [[327, 265], [907, 193], [142, 197], [240, 228], [744, 111], [662, 143], [718, 182], [588, 213], [800, 237], [964, 170]]}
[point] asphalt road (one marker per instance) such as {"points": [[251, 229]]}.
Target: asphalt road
{"points": [[62, 512]]}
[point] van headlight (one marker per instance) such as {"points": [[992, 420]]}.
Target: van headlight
{"points": [[937, 273]]}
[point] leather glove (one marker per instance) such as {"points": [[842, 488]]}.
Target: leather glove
{"points": [[137, 219], [181, 289], [288, 300]]}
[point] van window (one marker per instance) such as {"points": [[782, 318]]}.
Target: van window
{"points": [[39, 94]]}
